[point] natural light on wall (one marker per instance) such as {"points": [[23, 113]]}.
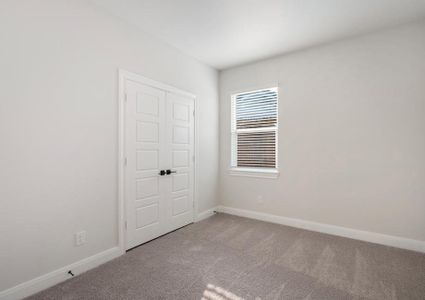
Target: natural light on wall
{"points": [[254, 133]]}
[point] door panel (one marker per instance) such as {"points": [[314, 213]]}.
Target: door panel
{"points": [[147, 215], [147, 160], [180, 205], [180, 182], [147, 132], [181, 135], [145, 150], [159, 136], [180, 140], [180, 158]]}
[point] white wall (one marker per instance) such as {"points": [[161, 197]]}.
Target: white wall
{"points": [[58, 128], [351, 134]]}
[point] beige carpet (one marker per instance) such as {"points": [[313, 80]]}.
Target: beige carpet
{"points": [[229, 258]]}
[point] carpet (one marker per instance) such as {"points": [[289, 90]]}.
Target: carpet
{"points": [[229, 258]]}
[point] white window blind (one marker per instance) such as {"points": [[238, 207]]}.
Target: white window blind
{"points": [[254, 129]]}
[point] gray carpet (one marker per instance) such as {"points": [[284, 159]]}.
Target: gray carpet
{"points": [[228, 258]]}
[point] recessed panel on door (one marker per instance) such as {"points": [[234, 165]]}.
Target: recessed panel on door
{"points": [[147, 132], [147, 215], [181, 111], [180, 205], [180, 158], [147, 160], [181, 135], [147, 104], [180, 182], [147, 187]]}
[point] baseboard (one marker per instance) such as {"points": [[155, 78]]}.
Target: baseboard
{"points": [[372, 237], [50, 279], [45, 281], [206, 214]]}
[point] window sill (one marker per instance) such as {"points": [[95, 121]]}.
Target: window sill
{"points": [[254, 172]]}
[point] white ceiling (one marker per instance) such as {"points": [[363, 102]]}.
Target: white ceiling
{"points": [[225, 33]]}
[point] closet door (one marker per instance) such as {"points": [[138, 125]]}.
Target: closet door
{"points": [[145, 191], [159, 173], [180, 144]]}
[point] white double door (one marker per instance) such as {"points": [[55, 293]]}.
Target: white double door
{"points": [[159, 136]]}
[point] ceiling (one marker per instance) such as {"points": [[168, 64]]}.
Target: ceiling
{"points": [[225, 33]]}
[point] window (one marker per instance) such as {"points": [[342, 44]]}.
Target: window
{"points": [[254, 132]]}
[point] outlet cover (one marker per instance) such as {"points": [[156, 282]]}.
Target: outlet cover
{"points": [[80, 238]]}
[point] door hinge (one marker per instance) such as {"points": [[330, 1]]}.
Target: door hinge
{"points": [[125, 225], [193, 113], [125, 97], [193, 158], [125, 161]]}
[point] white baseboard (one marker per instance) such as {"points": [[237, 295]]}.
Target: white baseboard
{"points": [[45, 281], [372, 237], [50, 279], [205, 214]]}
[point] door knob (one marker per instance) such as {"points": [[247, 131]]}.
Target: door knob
{"points": [[169, 172], [161, 173]]}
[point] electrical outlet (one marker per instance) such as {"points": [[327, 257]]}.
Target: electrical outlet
{"points": [[80, 238], [260, 199]]}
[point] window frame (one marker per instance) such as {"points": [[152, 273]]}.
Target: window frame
{"points": [[258, 172]]}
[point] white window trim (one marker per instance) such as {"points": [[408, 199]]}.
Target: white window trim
{"points": [[233, 170], [255, 172]]}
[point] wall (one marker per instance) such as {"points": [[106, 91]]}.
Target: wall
{"points": [[59, 65], [351, 134]]}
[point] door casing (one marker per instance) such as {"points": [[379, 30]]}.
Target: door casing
{"points": [[124, 75]]}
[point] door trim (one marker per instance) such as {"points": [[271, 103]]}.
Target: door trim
{"points": [[124, 75]]}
